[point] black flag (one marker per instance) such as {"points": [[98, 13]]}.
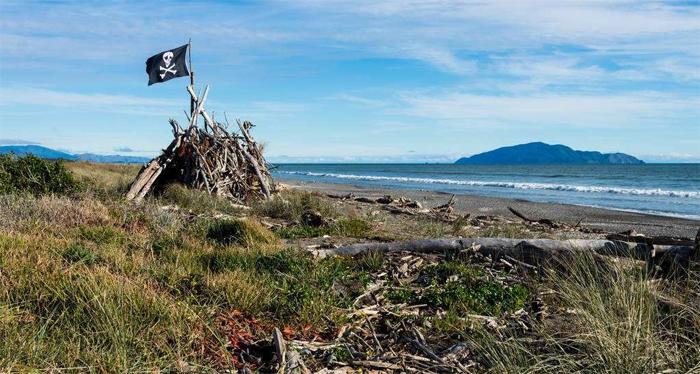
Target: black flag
{"points": [[167, 65]]}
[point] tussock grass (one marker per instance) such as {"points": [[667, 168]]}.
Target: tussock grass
{"points": [[350, 227], [621, 317], [92, 282], [106, 181], [291, 204], [55, 211], [197, 201], [616, 320], [88, 281], [246, 232]]}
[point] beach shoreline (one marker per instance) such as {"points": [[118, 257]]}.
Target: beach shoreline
{"points": [[607, 220]]}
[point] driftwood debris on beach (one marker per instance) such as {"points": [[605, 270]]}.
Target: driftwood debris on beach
{"points": [[211, 158], [670, 258], [405, 206]]}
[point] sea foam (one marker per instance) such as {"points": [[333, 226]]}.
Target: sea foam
{"points": [[516, 185]]}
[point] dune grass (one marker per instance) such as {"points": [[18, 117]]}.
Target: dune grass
{"points": [[612, 320], [91, 282]]}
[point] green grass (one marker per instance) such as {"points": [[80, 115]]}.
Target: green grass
{"points": [[100, 234], [616, 323], [91, 282], [77, 253], [353, 227], [197, 201], [292, 204], [240, 232]]}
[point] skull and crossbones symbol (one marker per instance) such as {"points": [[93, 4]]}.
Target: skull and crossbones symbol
{"points": [[167, 58]]}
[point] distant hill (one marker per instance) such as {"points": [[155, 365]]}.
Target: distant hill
{"points": [[112, 159], [542, 153], [36, 150], [53, 154]]}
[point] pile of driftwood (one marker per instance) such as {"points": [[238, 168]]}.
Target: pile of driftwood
{"points": [[383, 333], [211, 158], [389, 325], [406, 206]]}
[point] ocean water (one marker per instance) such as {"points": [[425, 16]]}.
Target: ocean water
{"points": [[664, 189]]}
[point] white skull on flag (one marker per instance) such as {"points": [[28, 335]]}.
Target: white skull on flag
{"points": [[167, 57]]}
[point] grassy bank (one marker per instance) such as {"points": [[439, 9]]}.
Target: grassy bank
{"points": [[90, 282]]}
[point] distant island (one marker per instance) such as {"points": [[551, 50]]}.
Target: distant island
{"points": [[52, 154], [542, 153]]}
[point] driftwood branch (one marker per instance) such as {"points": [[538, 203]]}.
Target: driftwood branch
{"points": [[544, 221]]}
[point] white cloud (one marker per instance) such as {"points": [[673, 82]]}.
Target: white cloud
{"points": [[403, 158], [11, 141], [41, 97], [672, 157], [355, 99], [553, 110], [431, 31], [437, 32], [442, 58]]}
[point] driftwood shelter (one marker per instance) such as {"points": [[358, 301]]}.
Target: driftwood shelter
{"points": [[211, 157]]}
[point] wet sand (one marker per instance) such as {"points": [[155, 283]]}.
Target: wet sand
{"points": [[604, 219]]}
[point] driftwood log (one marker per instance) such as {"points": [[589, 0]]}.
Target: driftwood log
{"points": [[544, 221], [532, 251], [211, 157]]}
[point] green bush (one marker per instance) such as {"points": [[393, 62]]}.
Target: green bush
{"points": [[30, 174]]}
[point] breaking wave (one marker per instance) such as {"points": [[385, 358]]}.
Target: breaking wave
{"points": [[516, 185]]}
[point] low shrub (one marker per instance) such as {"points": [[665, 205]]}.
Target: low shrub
{"points": [[481, 297], [309, 290], [35, 176], [462, 289]]}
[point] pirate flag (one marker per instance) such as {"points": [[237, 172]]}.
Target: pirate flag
{"points": [[167, 65]]}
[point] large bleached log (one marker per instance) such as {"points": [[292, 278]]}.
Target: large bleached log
{"points": [[142, 178], [531, 251], [148, 174]]}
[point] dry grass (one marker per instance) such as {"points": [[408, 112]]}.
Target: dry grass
{"points": [[611, 319], [94, 283]]}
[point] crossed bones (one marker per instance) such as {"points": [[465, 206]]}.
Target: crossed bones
{"points": [[166, 69]]}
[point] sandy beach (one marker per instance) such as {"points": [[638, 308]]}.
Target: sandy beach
{"points": [[604, 219]]}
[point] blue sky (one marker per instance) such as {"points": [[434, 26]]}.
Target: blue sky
{"points": [[360, 81]]}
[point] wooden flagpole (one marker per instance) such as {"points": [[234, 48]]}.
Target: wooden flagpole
{"points": [[192, 100]]}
